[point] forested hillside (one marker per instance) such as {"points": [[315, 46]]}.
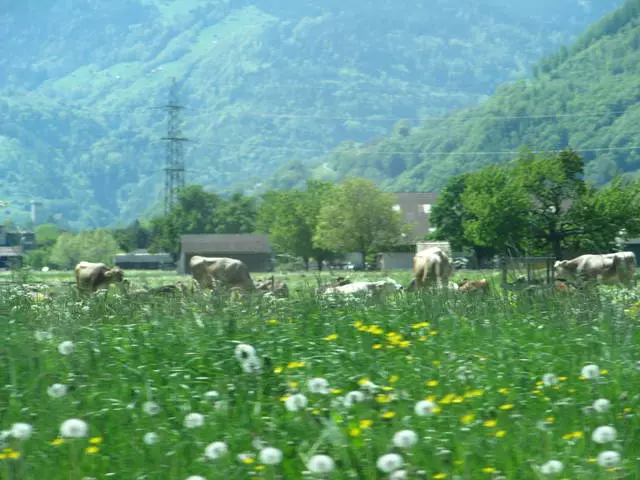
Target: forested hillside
{"points": [[265, 82], [585, 97]]}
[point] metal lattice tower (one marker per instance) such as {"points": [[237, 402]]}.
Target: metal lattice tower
{"points": [[174, 168]]}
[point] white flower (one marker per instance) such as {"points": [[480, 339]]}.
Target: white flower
{"points": [[252, 365], [318, 385], [196, 477], [244, 352], [74, 428], [151, 408], [352, 398], [270, 456], [608, 458], [296, 402], [601, 405], [389, 462], [216, 450], [245, 457], [42, 335], [57, 390], [604, 434], [424, 408], [369, 386], [151, 438], [194, 420], [211, 395], [21, 430], [399, 475], [551, 467], [66, 348], [549, 380], [321, 464], [405, 438], [590, 371]]}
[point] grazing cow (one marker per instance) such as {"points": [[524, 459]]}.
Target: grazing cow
{"points": [[91, 277], [481, 285], [337, 282], [273, 286], [382, 288], [610, 268], [228, 272], [432, 267]]}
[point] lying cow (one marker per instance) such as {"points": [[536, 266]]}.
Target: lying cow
{"points": [[91, 277], [413, 286], [227, 272], [275, 287], [380, 289], [432, 267], [480, 285], [337, 282], [609, 268]]}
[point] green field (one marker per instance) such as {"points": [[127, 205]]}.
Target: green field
{"points": [[504, 373]]}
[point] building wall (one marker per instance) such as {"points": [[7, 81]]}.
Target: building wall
{"points": [[395, 261], [257, 262], [143, 265]]}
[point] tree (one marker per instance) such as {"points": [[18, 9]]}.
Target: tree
{"points": [[91, 246], [47, 234], [133, 237], [358, 217], [236, 214]]}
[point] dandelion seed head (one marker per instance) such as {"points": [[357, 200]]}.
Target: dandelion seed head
{"points": [[193, 420], [21, 430], [57, 390], [216, 450], [43, 335], [389, 462], [405, 438], [252, 365], [352, 398], [151, 408], [244, 352], [296, 402], [74, 428], [551, 467], [321, 464], [211, 395], [66, 348], [196, 477], [608, 458], [590, 371], [400, 475], [424, 408], [151, 438], [601, 405], [604, 434], [319, 385], [549, 380], [270, 456]]}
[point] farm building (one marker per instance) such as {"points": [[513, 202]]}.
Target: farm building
{"points": [[254, 250], [415, 208], [395, 261], [143, 260], [10, 256]]}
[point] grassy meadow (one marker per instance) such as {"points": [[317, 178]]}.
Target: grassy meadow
{"points": [[435, 386]]}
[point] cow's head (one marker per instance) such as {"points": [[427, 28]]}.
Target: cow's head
{"points": [[114, 274], [564, 268]]}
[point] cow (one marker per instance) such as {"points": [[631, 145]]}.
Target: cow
{"points": [[481, 285], [227, 272], [610, 268], [91, 277], [380, 289], [275, 287], [337, 282], [431, 266]]}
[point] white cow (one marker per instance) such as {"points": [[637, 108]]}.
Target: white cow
{"points": [[609, 268], [226, 271], [382, 288], [432, 266], [91, 277]]}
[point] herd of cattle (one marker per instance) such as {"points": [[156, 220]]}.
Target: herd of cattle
{"points": [[431, 268]]}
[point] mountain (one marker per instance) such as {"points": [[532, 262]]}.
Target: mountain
{"points": [[263, 82], [586, 97]]}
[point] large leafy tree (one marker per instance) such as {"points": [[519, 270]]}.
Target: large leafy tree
{"points": [[358, 217], [91, 246]]}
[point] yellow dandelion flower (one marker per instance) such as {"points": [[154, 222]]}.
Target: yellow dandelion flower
{"points": [[468, 418], [571, 435], [490, 423], [58, 441], [363, 381], [562, 379], [447, 399], [440, 475], [278, 370], [393, 378], [366, 423], [572, 390], [404, 344], [284, 398], [95, 440], [336, 391], [431, 398], [315, 411], [549, 419], [358, 324], [556, 387], [293, 384], [432, 383], [457, 399], [383, 398], [14, 455], [248, 460], [387, 388], [506, 406], [604, 371], [410, 358], [388, 415], [92, 449], [296, 364], [582, 378], [501, 433], [260, 467], [434, 332], [488, 469], [436, 409], [503, 390], [331, 337], [3, 456], [272, 321], [355, 432], [592, 459], [436, 362], [474, 393], [627, 410], [377, 346]]}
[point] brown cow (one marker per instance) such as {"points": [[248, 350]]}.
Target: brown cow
{"points": [[276, 287], [91, 277], [228, 272], [481, 285]]}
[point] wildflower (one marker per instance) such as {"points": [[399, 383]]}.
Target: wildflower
{"points": [[196, 477], [425, 408], [551, 467], [244, 352], [432, 383], [270, 456], [604, 434], [590, 371], [504, 391], [246, 458], [601, 405], [399, 475], [389, 462], [440, 475], [571, 435], [318, 385], [57, 390], [92, 449], [608, 458], [151, 408], [488, 469], [42, 335], [388, 415], [296, 402], [501, 433], [549, 380], [57, 441], [468, 418], [405, 439], [355, 432], [95, 440], [490, 423], [352, 398], [21, 430], [151, 438], [321, 464], [393, 379], [74, 428], [211, 395], [216, 450], [252, 365], [474, 393], [507, 406], [66, 348], [331, 337], [383, 398], [193, 420]]}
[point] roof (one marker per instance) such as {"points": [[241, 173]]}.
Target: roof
{"points": [[225, 243], [11, 251], [412, 207]]}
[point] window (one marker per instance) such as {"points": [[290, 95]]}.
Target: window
{"points": [[426, 208]]}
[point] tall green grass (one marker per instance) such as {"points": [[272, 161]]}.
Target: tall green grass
{"points": [[481, 360]]}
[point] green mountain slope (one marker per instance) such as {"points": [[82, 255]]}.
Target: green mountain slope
{"points": [[265, 82], [586, 97]]}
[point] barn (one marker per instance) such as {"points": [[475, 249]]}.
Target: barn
{"points": [[11, 257], [143, 260], [254, 250]]}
